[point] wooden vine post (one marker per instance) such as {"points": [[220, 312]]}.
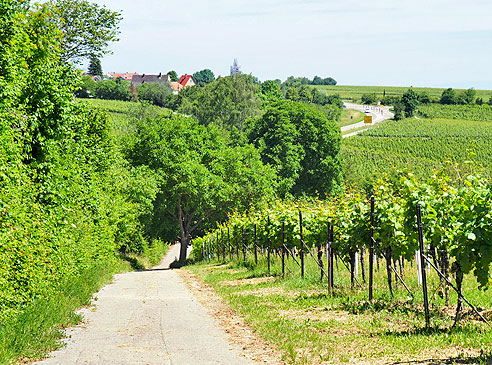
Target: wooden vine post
{"points": [[283, 248], [229, 243], [422, 265], [244, 243], [301, 251], [256, 247], [371, 252], [330, 258], [268, 246]]}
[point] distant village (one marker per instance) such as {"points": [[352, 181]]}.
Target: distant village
{"points": [[137, 79]]}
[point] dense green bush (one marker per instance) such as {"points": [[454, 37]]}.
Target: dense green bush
{"points": [[112, 90], [156, 94], [68, 199]]}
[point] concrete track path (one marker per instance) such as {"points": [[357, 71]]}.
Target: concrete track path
{"points": [[147, 317]]}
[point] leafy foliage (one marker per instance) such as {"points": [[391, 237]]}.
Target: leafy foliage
{"points": [[95, 68], [154, 93], [68, 200], [456, 218], [419, 146], [229, 101], [301, 144], [204, 77], [112, 90], [201, 177], [87, 28], [173, 76]]}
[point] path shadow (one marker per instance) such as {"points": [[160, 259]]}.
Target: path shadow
{"points": [[486, 360], [134, 263]]}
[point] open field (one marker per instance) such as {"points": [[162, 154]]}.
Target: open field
{"points": [[355, 92], [311, 326]]}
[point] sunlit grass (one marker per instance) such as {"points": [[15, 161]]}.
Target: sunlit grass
{"points": [[311, 325]]}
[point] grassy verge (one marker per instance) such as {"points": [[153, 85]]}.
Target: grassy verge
{"points": [[310, 325], [356, 129], [37, 330], [350, 116]]}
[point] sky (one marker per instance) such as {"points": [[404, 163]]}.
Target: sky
{"points": [[432, 43]]}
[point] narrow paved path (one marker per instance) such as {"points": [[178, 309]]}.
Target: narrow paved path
{"points": [[378, 115], [147, 317]]}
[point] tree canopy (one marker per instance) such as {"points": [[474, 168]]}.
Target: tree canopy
{"points": [[302, 144], [173, 76], [87, 28], [204, 77], [155, 93], [229, 101], [202, 177], [95, 68]]}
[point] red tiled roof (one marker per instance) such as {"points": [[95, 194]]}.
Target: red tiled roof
{"points": [[124, 76], [184, 79]]}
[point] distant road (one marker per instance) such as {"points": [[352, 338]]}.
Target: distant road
{"points": [[378, 115]]}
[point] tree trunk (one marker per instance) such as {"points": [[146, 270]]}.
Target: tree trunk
{"points": [[184, 240]]}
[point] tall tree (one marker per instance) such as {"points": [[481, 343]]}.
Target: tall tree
{"points": [[302, 144], [87, 28], [202, 177], [95, 68], [410, 100]]}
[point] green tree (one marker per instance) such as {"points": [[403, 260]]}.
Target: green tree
{"points": [[229, 101], [305, 94], [448, 97], [410, 100], [87, 28], [292, 93], [399, 110], [95, 68], [204, 77], [269, 92], [155, 93], [368, 99], [424, 97], [87, 87], [202, 177], [173, 76], [112, 90], [302, 144], [468, 97]]}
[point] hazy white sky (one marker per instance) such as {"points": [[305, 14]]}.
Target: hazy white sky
{"points": [[357, 42]]}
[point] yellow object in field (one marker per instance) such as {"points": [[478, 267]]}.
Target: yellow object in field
{"points": [[368, 119]]}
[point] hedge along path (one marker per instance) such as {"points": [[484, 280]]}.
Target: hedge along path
{"points": [[148, 317]]}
